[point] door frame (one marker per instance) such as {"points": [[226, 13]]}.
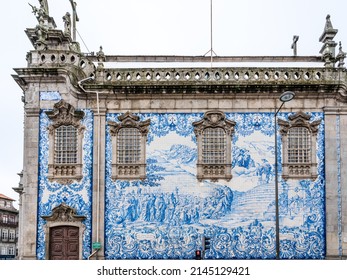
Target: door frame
{"points": [[64, 215]]}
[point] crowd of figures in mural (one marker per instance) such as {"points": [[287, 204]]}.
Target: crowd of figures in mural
{"points": [[166, 215]]}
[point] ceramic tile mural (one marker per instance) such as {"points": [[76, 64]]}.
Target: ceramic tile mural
{"points": [[166, 215], [50, 96], [76, 195]]}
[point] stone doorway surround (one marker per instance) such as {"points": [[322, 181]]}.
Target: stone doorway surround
{"points": [[64, 215]]}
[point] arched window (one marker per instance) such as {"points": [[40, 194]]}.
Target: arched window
{"points": [[129, 137], [213, 135], [299, 139]]}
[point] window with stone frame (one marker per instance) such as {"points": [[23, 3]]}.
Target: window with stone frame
{"points": [[4, 234], [214, 134], [12, 235], [65, 148], [129, 137], [65, 143], [3, 250], [299, 140], [11, 250]]}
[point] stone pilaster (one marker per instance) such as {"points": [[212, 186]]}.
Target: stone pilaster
{"points": [[99, 181], [336, 193], [30, 184]]}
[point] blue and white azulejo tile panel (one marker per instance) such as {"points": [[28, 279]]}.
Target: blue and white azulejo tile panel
{"points": [[166, 215], [50, 96], [77, 195]]}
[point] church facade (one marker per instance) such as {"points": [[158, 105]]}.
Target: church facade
{"points": [[150, 162]]}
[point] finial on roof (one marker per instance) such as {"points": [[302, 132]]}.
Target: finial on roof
{"points": [[67, 24], [329, 32], [341, 56], [328, 24], [328, 49]]}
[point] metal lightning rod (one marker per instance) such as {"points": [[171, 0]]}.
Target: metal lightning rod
{"points": [[211, 51]]}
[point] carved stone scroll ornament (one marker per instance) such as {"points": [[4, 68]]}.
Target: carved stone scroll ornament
{"points": [[129, 120], [299, 119], [65, 114], [64, 213], [214, 119]]}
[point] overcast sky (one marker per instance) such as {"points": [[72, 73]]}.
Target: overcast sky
{"points": [[157, 27]]}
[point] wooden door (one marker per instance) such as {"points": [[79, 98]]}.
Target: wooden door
{"points": [[64, 243]]}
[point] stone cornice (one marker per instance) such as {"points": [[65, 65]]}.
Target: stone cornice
{"points": [[323, 82], [320, 82]]}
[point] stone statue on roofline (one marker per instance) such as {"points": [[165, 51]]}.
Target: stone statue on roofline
{"points": [[41, 31], [42, 12], [67, 24], [44, 6]]}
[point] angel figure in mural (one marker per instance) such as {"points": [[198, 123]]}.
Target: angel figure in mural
{"points": [[129, 243], [189, 239], [160, 242]]}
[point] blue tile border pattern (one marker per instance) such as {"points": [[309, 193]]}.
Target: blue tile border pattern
{"points": [[339, 195], [77, 195], [50, 96]]}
